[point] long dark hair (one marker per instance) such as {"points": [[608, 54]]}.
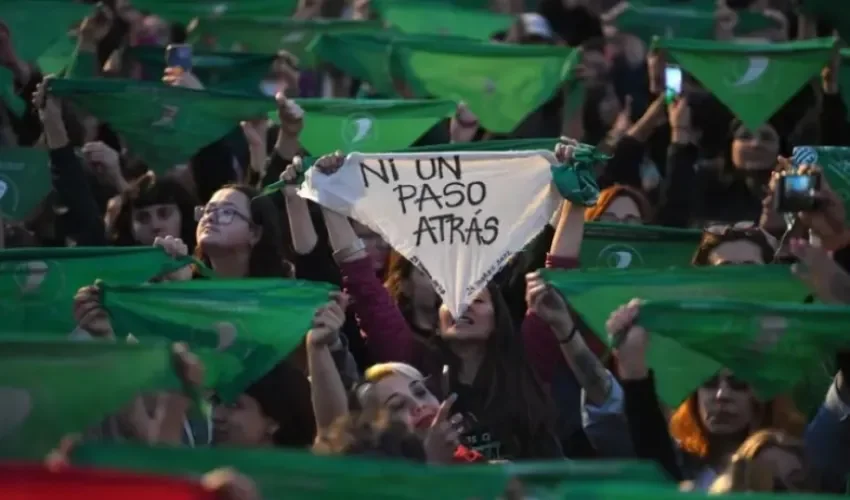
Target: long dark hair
{"points": [[143, 192], [513, 400], [268, 257]]}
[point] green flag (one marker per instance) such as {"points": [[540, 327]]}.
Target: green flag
{"points": [[501, 99], [595, 294], [362, 56], [37, 25], [297, 475], [837, 14], [753, 79], [540, 479], [626, 245], [367, 126], [251, 324], [434, 18], [163, 125], [24, 181], [37, 285], [50, 388], [683, 20], [492, 145], [183, 11], [835, 164], [770, 345], [268, 36], [226, 71]]}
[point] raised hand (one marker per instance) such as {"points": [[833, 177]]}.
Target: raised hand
{"points": [[443, 437], [630, 341], [175, 248]]}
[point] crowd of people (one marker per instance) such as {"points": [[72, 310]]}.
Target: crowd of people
{"points": [[385, 371]]}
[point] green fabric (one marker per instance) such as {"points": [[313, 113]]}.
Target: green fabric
{"points": [[51, 388], [36, 25], [540, 479], [296, 475], [362, 56], [494, 145], [501, 99], [837, 14], [695, 22], [595, 294], [771, 346], [60, 55], [83, 64], [576, 181], [268, 36], [434, 18], [367, 126], [37, 285], [835, 163], [24, 181], [753, 79], [249, 324], [184, 11], [623, 246], [225, 71], [163, 125]]}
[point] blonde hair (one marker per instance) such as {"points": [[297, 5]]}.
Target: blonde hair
{"points": [[745, 473], [380, 371]]}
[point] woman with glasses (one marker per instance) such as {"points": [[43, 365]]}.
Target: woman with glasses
{"points": [[239, 235]]}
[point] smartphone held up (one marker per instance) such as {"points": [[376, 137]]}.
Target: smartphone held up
{"points": [[179, 55], [796, 193]]}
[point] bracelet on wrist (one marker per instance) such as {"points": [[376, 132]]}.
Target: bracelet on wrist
{"points": [[570, 336]]}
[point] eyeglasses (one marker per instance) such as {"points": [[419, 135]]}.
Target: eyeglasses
{"points": [[746, 227], [220, 215]]}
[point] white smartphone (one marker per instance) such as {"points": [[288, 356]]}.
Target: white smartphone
{"points": [[673, 80]]}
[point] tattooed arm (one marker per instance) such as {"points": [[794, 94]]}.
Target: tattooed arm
{"points": [[551, 307]]}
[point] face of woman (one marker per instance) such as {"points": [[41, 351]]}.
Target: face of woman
{"points": [[755, 149], [156, 220], [623, 210], [788, 471], [736, 252], [242, 423], [726, 405], [475, 324], [376, 247], [407, 399], [225, 222]]}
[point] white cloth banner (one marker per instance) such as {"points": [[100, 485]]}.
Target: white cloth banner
{"points": [[458, 217]]}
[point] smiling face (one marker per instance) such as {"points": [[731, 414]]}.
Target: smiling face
{"points": [[755, 149], [476, 323], [407, 399]]}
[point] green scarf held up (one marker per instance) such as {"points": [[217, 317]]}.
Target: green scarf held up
{"points": [[595, 294], [440, 19], [241, 327], [621, 246], [54, 387], [37, 285], [696, 22], [367, 126], [772, 346], [183, 11], [269, 36], [500, 99], [299, 475], [163, 125], [754, 80], [224, 71]]}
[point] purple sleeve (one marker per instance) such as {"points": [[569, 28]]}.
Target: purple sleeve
{"points": [[541, 346], [389, 338]]}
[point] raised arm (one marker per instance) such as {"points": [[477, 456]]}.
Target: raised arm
{"points": [[389, 336], [326, 388]]}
